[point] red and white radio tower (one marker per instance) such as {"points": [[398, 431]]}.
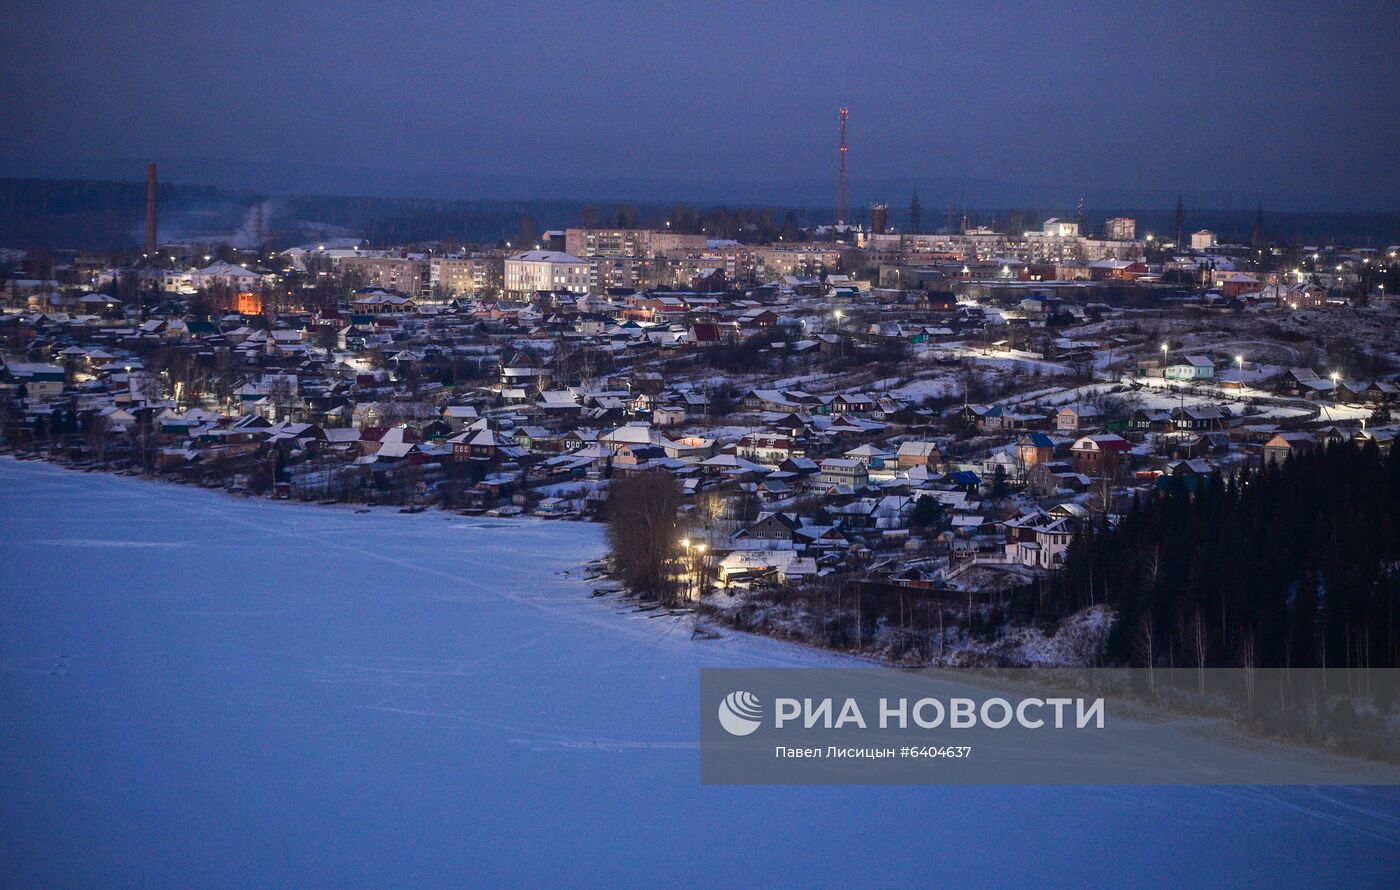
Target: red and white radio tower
{"points": [[841, 176]]}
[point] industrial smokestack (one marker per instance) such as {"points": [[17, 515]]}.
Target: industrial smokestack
{"points": [[150, 207]]}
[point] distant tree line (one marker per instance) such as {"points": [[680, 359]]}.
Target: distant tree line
{"points": [[82, 214], [104, 215], [1295, 565]]}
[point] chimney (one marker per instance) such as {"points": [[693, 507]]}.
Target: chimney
{"points": [[150, 207]]}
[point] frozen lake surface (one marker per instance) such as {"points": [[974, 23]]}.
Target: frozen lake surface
{"points": [[202, 691]]}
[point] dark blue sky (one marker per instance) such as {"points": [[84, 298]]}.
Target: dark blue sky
{"points": [[1289, 103]]}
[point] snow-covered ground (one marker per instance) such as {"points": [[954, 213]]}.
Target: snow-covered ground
{"points": [[203, 691], [1002, 359]]}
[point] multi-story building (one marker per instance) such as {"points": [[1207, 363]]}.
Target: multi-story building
{"points": [[546, 270], [1097, 456], [604, 242], [843, 471], [464, 275], [1060, 228], [173, 281], [648, 243], [1120, 228], [637, 273], [1052, 246], [1203, 240], [775, 262], [237, 278], [401, 275]]}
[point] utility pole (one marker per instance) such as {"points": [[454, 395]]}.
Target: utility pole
{"points": [[841, 176]]}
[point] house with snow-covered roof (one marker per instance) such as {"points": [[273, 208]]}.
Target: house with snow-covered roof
{"points": [[843, 471], [1192, 367]]}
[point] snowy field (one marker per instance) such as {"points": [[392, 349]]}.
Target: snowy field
{"points": [[199, 691]]}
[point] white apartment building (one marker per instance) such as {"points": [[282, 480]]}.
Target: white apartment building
{"points": [[546, 270], [1061, 228], [237, 278]]}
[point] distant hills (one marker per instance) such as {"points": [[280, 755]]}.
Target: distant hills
{"points": [[98, 214]]}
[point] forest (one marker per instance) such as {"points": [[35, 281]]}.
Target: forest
{"points": [[1294, 565]]}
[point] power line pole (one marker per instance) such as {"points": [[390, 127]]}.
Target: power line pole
{"points": [[841, 176]]}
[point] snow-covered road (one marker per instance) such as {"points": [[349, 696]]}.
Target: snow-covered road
{"points": [[203, 691]]}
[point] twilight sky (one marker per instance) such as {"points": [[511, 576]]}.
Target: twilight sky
{"points": [[1289, 103]]}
